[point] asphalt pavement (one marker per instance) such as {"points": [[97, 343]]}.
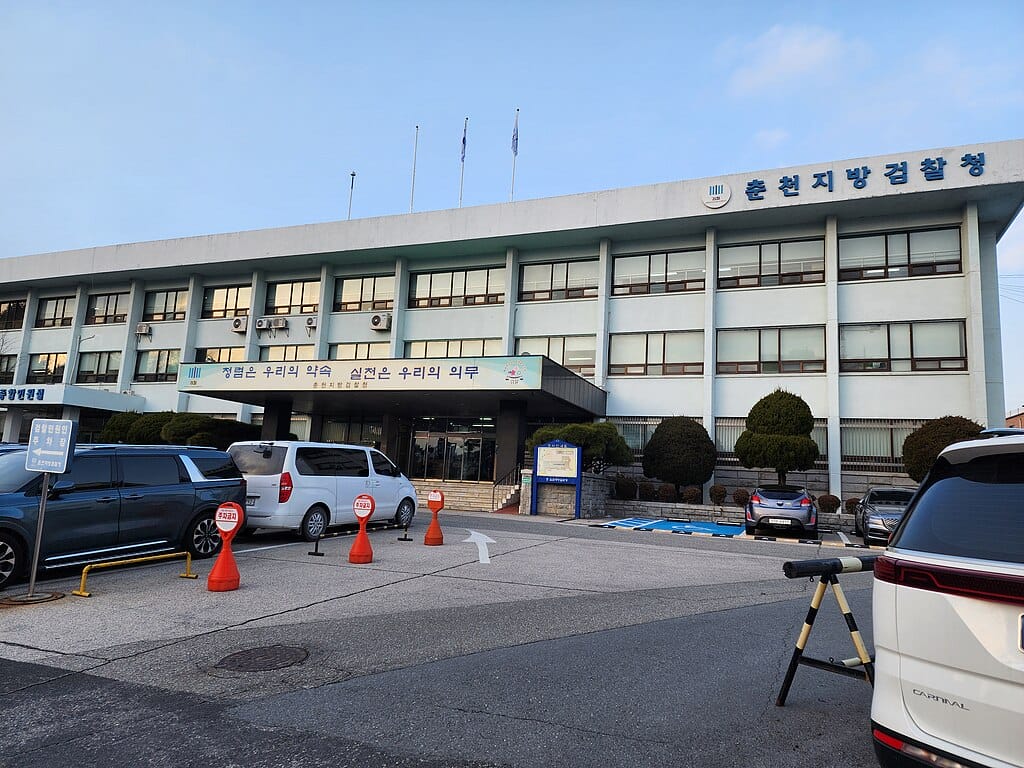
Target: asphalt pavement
{"points": [[573, 646]]}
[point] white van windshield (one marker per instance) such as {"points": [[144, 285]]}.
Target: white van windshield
{"points": [[259, 459]]}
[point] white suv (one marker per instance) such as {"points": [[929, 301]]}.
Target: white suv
{"points": [[949, 616], [307, 487]]}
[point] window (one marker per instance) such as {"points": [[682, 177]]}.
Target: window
{"points": [[352, 462], [46, 368], [7, 365], [98, 367], [356, 294], [215, 468], [656, 354], [457, 289], [373, 350], [227, 301], [772, 350], [298, 298], [157, 365], [165, 305], [56, 312], [561, 280], [12, 315], [382, 465], [577, 353], [106, 308], [783, 263], [933, 345], [220, 354], [900, 254], [454, 348], [286, 353], [140, 471], [659, 273], [90, 473], [636, 431], [874, 445]]}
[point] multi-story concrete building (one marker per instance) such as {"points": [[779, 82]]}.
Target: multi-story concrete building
{"points": [[867, 286]]}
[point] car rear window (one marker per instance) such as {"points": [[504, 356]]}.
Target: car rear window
{"points": [[780, 494], [216, 467], [259, 459], [970, 510], [13, 475]]}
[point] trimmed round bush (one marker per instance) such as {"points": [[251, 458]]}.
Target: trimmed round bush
{"points": [[680, 452], [203, 439], [667, 493], [693, 494], [740, 497], [117, 426], [648, 491], [851, 505], [718, 493], [828, 504], [178, 430], [625, 488], [924, 444], [146, 430]]}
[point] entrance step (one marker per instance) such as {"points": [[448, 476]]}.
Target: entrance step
{"points": [[462, 496]]}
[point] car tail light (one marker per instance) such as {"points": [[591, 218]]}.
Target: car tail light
{"points": [[805, 502], [1000, 588], [285, 490], [927, 757], [755, 499]]}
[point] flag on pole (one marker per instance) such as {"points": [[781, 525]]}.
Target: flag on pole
{"points": [[515, 136], [465, 127]]}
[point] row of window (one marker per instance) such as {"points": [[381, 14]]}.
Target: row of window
{"points": [[862, 257], [932, 345]]}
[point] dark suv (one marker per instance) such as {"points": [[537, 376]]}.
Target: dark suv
{"points": [[116, 501]]}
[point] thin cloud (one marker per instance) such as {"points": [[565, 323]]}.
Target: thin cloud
{"points": [[771, 137]]}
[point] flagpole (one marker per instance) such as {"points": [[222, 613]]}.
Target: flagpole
{"points": [[462, 173], [351, 189], [515, 154], [415, 146]]}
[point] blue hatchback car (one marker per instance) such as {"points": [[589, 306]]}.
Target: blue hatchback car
{"points": [[115, 502]]}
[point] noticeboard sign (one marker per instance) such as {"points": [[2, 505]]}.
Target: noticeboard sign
{"points": [[51, 445], [558, 461]]}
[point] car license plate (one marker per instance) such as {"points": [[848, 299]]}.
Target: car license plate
{"points": [[779, 521], [250, 501]]}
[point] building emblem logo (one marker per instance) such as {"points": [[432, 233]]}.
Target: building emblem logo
{"points": [[716, 195], [514, 373]]}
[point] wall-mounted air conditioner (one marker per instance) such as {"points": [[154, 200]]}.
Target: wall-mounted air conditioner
{"points": [[240, 324], [311, 321], [279, 322], [143, 329], [262, 323], [380, 321]]}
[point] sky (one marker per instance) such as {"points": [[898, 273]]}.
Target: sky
{"points": [[128, 121]]}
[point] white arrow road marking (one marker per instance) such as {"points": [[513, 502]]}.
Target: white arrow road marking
{"points": [[481, 542]]}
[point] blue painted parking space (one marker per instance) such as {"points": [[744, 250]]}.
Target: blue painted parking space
{"points": [[700, 527]]}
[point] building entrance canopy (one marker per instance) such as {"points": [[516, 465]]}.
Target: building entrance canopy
{"points": [[460, 386]]}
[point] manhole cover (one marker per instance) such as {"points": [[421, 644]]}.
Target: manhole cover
{"points": [[263, 659]]}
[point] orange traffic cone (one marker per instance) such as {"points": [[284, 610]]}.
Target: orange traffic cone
{"points": [[224, 576], [434, 537], [361, 552]]}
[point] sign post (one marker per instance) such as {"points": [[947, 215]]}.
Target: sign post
{"points": [[51, 450], [559, 463], [361, 552]]}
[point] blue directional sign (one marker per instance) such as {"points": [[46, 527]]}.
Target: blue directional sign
{"points": [[51, 445]]}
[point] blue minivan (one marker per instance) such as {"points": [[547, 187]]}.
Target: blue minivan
{"points": [[115, 502]]}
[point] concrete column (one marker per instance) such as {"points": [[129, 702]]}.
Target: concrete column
{"points": [[995, 396], [258, 300], [130, 346], [316, 427], [277, 419], [193, 311], [81, 302], [71, 412], [389, 436], [604, 292], [22, 349], [710, 335], [835, 445], [397, 341], [510, 436], [319, 334], [12, 425], [970, 245], [508, 334]]}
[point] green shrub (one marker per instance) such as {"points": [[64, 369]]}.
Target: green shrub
{"points": [[117, 426], [718, 493], [924, 444], [740, 497], [625, 488], [851, 505], [228, 431], [204, 439], [828, 504], [648, 491], [667, 493], [601, 443], [778, 435], [178, 430], [146, 430], [680, 452], [693, 494]]}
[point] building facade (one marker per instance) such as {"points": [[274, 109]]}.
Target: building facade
{"points": [[868, 287]]}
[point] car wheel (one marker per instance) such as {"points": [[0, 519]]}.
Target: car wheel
{"points": [[406, 511], [11, 559], [810, 533], [203, 538], [751, 529], [314, 524]]}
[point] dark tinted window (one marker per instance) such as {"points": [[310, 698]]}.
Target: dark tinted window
{"points": [[382, 465], [970, 510], [889, 497], [352, 463], [139, 471], [217, 466], [259, 459], [88, 473], [13, 475], [779, 494], [319, 461]]}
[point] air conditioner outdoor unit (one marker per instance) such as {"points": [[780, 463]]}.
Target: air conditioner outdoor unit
{"points": [[380, 321], [143, 329], [240, 324], [311, 321], [279, 322], [127, 391], [262, 323]]}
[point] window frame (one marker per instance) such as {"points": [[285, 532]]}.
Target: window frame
{"points": [[373, 305], [687, 285], [586, 371], [362, 350], [753, 367], [107, 376], [559, 294], [55, 320], [162, 374], [889, 270], [8, 365], [689, 368], [202, 353], [293, 308], [54, 363], [454, 298], [15, 307], [291, 353], [111, 315], [776, 279], [231, 308], [918, 364], [170, 311]]}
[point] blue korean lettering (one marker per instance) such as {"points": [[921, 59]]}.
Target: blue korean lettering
{"points": [[823, 179], [39, 394], [756, 189], [896, 172], [859, 176], [932, 168], [976, 163], [790, 185]]}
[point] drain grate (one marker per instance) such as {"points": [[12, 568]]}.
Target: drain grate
{"points": [[263, 659]]}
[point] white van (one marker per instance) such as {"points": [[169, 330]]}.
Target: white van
{"points": [[307, 487]]}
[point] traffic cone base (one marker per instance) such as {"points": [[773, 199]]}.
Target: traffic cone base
{"points": [[224, 576], [434, 537], [361, 552]]}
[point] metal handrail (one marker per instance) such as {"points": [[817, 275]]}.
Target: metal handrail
{"points": [[510, 479]]}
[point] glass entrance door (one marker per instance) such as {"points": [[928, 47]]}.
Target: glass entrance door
{"points": [[452, 454]]}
